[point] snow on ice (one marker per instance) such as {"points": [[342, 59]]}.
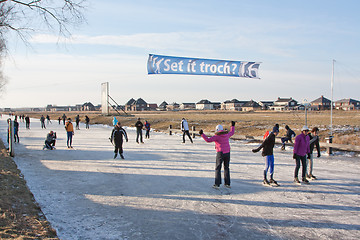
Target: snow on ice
{"points": [[162, 190]]}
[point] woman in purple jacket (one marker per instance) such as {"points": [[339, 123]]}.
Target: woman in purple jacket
{"points": [[222, 146], [301, 149]]}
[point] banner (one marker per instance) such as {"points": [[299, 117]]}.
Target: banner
{"points": [[158, 64]]}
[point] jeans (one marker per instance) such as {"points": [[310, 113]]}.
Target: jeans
{"points": [[188, 134], [222, 158], [69, 138], [299, 159], [139, 133]]}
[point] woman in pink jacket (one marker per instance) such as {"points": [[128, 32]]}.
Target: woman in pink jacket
{"points": [[222, 146]]}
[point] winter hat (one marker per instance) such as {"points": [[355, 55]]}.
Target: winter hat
{"points": [[304, 128], [219, 128], [275, 129]]}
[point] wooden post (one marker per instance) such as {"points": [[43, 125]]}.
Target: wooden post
{"points": [[329, 140], [193, 128], [170, 132]]}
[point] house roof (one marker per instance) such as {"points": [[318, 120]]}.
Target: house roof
{"points": [[130, 102], [284, 99], [348, 100], [251, 103], [204, 101], [321, 99], [163, 104], [140, 101]]}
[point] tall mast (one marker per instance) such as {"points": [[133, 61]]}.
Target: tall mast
{"points": [[332, 93]]}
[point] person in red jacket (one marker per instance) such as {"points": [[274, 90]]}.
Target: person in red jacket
{"points": [[222, 146]]}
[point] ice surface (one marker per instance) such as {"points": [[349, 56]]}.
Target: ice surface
{"points": [[162, 190]]}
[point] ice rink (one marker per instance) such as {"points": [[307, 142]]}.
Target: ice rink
{"points": [[163, 189]]}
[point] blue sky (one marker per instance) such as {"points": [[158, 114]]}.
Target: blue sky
{"points": [[296, 42]]}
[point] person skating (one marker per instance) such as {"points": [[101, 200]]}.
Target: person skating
{"points": [[50, 140], [268, 149], [222, 146], [116, 138], [42, 120], [87, 121], [314, 142], [27, 122], [139, 126], [147, 129], [288, 136], [16, 131], [70, 132], [64, 118], [48, 119], [185, 130], [301, 149], [77, 121]]}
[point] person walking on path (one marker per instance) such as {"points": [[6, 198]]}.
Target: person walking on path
{"points": [[139, 126], [27, 122], [314, 142], [301, 149], [185, 130], [147, 128], [116, 139], [16, 131], [59, 119], [288, 136], [87, 121], [268, 149], [70, 132], [222, 146]]}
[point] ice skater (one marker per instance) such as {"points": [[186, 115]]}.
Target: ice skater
{"points": [[222, 146], [301, 149], [288, 136], [70, 132], [139, 126], [16, 131], [116, 139], [268, 149], [50, 141], [42, 120], [147, 129], [185, 130], [314, 142]]}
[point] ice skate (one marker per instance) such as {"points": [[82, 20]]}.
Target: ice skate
{"points": [[227, 185], [115, 155], [122, 156], [273, 183], [304, 180], [216, 186], [296, 181], [266, 182]]}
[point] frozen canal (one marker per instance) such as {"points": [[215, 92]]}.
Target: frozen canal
{"points": [[162, 190]]}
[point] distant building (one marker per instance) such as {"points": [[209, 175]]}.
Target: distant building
{"points": [[232, 105], [250, 106], [185, 106], [204, 105], [129, 104], [347, 104], [173, 106], [265, 105], [88, 106], [321, 103], [282, 104], [136, 105], [162, 106], [152, 106]]}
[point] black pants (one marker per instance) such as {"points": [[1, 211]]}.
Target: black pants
{"points": [[222, 158], [139, 133], [118, 147], [147, 134], [188, 134], [299, 159]]}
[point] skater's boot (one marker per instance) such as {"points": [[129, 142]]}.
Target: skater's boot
{"points": [[122, 156], [115, 155], [283, 147], [296, 180], [266, 182], [272, 181], [304, 180]]}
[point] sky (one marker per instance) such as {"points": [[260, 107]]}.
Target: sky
{"points": [[295, 41]]}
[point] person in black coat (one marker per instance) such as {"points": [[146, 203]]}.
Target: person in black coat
{"points": [[289, 134], [314, 142], [116, 138], [268, 146], [139, 126]]}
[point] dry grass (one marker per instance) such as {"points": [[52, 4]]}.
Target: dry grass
{"points": [[248, 123], [20, 216]]}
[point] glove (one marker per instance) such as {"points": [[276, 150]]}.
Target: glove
{"points": [[254, 150], [232, 123], [294, 156], [308, 156], [127, 140], [201, 132], [318, 155]]}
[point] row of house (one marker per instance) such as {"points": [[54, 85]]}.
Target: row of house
{"points": [[281, 104]]}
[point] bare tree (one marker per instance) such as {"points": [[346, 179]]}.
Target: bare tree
{"points": [[27, 17]]}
